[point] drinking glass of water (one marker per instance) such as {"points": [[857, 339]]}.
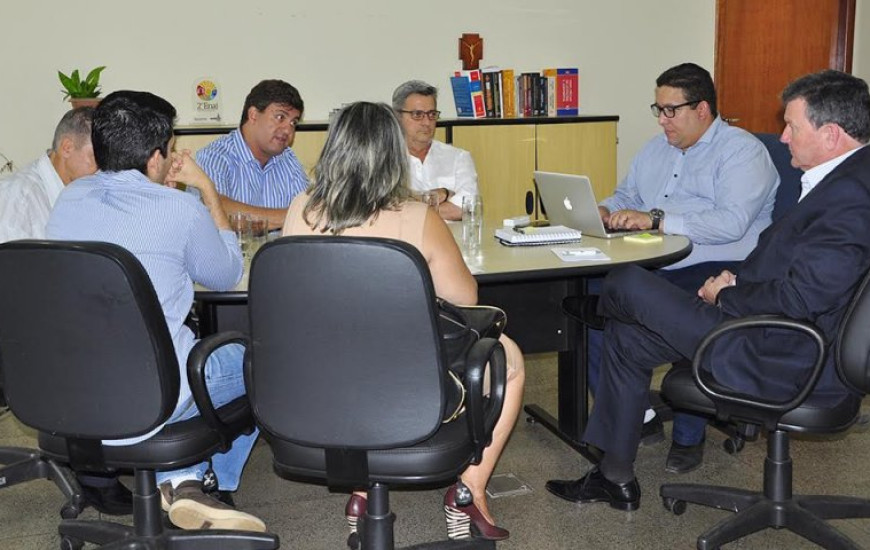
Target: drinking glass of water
{"points": [[240, 223], [472, 223]]}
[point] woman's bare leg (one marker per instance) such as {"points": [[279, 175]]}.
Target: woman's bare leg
{"points": [[476, 477]]}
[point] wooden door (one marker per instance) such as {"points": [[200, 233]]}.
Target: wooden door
{"points": [[762, 45]]}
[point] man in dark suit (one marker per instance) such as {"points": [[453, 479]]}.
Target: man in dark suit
{"points": [[806, 266]]}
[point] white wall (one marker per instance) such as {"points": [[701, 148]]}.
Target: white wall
{"points": [[338, 52]]}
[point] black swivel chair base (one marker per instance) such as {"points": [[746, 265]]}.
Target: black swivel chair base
{"points": [[22, 465], [775, 508], [376, 528], [147, 531]]}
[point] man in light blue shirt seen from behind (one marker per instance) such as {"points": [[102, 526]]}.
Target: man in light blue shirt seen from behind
{"points": [[180, 241], [703, 179], [253, 167]]}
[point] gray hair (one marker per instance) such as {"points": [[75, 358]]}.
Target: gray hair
{"points": [[834, 97], [362, 170], [400, 95], [76, 123]]}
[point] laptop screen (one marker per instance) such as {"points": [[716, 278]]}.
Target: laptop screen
{"points": [[570, 201]]}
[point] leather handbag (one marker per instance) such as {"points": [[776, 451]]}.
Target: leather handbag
{"points": [[461, 327]]}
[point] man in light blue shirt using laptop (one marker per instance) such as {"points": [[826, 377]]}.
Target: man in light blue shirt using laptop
{"points": [[703, 179]]}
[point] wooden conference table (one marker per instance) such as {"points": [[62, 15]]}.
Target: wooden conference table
{"points": [[529, 283]]}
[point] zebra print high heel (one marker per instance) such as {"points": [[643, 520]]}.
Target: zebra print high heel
{"points": [[465, 520], [355, 509]]}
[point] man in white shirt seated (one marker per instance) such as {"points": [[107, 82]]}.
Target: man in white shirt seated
{"points": [[435, 166], [27, 196]]}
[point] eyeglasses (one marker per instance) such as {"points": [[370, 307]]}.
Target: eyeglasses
{"points": [[418, 115], [670, 111]]}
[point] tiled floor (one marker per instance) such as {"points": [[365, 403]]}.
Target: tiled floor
{"points": [[309, 517]]}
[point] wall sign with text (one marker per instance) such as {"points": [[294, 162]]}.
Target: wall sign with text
{"points": [[206, 100]]}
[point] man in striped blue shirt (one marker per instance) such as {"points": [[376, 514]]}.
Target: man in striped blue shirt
{"points": [[253, 167]]}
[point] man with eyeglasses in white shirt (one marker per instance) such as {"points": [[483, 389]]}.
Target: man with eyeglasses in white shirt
{"points": [[436, 167]]}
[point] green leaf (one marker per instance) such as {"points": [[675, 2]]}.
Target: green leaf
{"points": [[77, 88], [93, 78], [69, 86]]}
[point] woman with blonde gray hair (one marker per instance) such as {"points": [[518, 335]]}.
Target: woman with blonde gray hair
{"points": [[360, 189]]}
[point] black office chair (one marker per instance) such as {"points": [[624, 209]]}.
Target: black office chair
{"points": [[23, 465], [692, 389], [787, 195], [87, 356], [347, 373]]}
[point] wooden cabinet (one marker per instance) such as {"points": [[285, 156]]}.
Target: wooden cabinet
{"points": [[505, 159], [587, 149], [506, 152], [307, 146]]}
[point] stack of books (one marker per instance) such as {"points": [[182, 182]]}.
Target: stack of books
{"points": [[499, 93]]}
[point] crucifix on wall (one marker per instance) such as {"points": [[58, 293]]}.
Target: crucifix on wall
{"points": [[470, 51]]}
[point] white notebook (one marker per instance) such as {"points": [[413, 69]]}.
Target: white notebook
{"points": [[524, 236]]}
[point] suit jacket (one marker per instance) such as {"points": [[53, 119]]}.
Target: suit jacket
{"points": [[806, 266]]}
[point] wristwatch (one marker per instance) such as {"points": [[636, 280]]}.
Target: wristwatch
{"points": [[656, 215]]}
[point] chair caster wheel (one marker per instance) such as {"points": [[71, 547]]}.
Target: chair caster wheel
{"points": [[71, 543], [677, 507], [531, 420], [733, 445], [70, 511], [353, 541]]}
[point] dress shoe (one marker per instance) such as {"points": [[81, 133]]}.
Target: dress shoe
{"points": [[684, 458], [114, 499], [355, 509], [466, 520], [652, 432], [584, 309], [594, 487]]}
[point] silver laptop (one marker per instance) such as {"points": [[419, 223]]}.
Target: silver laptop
{"points": [[569, 201]]}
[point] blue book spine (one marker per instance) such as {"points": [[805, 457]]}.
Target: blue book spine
{"points": [[462, 96]]}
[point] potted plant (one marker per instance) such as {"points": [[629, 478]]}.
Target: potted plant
{"points": [[81, 92]]}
